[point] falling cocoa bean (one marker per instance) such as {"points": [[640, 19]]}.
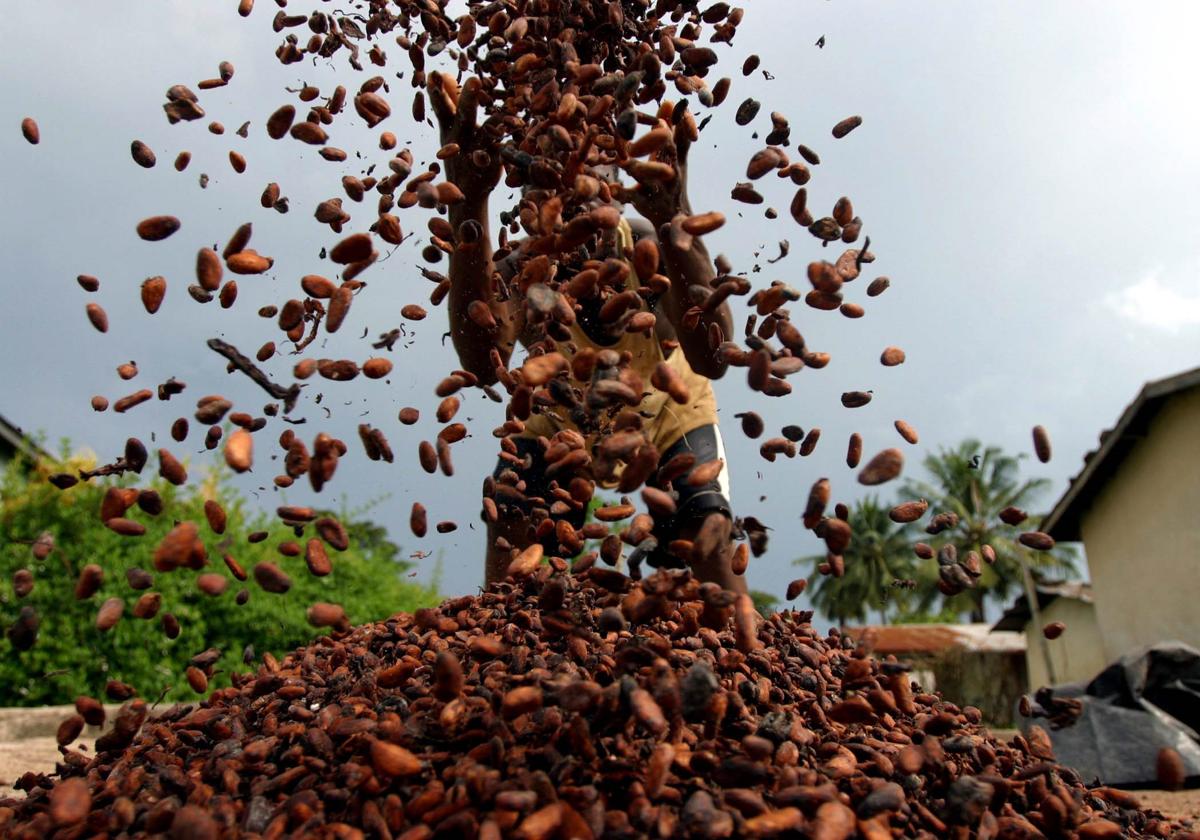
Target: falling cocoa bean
{"points": [[884, 467]]}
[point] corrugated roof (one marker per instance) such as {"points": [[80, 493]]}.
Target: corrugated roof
{"points": [[1019, 614], [17, 440], [933, 638], [1062, 522]]}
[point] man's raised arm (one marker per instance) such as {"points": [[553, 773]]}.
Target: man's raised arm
{"points": [[686, 268], [477, 321], [663, 203]]}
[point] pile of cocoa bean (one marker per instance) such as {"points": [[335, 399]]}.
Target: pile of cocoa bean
{"points": [[572, 706]]}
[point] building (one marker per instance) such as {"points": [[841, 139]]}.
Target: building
{"points": [[1135, 505], [968, 662], [1076, 655], [13, 441]]}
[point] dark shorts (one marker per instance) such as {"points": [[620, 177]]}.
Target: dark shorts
{"points": [[693, 504]]}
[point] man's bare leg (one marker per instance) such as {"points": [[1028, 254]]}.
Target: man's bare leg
{"points": [[712, 552], [515, 529]]}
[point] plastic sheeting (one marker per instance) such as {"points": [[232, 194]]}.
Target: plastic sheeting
{"points": [[1147, 700]]}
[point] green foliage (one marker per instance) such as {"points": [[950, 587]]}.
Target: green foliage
{"points": [[71, 657], [879, 553], [977, 495], [764, 602]]}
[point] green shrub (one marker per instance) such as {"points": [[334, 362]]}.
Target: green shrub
{"points": [[71, 657]]}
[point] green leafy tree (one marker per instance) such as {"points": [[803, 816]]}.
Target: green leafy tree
{"points": [[71, 657], [976, 483], [880, 553], [764, 602]]}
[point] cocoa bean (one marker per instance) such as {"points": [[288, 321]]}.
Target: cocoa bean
{"points": [[239, 451], [109, 614], [854, 450], [846, 126], [1171, 771], [885, 466], [907, 432], [271, 578], [142, 154], [280, 121], [878, 286], [157, 228], [1036, 540], [98, 317], [30, 131], [908, 511], [1041, 444]]}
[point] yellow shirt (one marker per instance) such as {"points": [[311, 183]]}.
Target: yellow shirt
{"points": [[664, 420]]}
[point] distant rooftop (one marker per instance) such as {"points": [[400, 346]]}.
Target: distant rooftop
{"points": [[1019, 614], [902, 639], [13, 440], [1100, 465]]}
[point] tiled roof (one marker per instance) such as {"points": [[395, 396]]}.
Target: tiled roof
{"points": [[1018, 615], [12, 438], [932, 638]]}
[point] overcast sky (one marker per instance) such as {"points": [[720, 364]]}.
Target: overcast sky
{"points": [[1026, 172]]}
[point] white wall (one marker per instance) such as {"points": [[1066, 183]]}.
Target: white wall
{"points": [[1142, 536], [1078, 654]]}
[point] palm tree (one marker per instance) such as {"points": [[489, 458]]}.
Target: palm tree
{"points": [[976, 483], [879, 553]]}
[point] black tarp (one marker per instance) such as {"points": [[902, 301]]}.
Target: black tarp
{"points": [[1147, 700]]}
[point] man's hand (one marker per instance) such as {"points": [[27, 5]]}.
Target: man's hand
{"points": [[658, 198], [476, 168]]}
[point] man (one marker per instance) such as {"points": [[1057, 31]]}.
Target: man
{"points": [[703, 515]]}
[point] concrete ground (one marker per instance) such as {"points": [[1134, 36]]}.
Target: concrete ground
{"points": [[18, 757], [27, 743], [1182, 805]]}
